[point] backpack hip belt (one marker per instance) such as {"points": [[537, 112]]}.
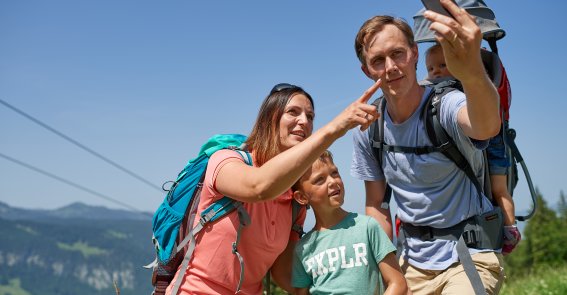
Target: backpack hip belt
{"points": [[483, 231], [479, 232]]}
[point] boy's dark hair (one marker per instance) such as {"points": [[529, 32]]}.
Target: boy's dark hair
{"points": [[325, 157]]}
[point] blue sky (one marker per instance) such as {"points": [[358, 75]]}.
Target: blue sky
{"points": [[144, 83]]}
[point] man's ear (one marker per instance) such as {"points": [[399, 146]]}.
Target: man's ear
{"points": [[301, 198], [415, 53]]}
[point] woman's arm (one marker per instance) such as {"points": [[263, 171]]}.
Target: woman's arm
{"points": [[254, 184], [281, 269]]}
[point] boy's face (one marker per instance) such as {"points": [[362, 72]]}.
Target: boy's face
{"points": [[435, 63], [322, 186]]}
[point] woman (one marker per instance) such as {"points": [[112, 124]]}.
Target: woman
{"points": [[282, 148]]}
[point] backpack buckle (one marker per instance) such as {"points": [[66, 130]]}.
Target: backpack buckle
{"points": [[203, 220], [426, 233], [470, 238]]}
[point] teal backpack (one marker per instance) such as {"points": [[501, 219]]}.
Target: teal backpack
{"points": [[173, 221]]}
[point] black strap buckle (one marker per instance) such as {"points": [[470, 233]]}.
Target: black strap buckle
{"points": [[426, 233], [471, 239]]}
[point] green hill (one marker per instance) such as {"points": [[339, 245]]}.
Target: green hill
{"points": [[75, 256]]}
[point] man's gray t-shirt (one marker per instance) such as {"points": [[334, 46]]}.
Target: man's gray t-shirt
{"points": [[429, 189]]}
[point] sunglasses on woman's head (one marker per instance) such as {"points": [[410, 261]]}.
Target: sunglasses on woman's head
{"points": [[282, 86]]}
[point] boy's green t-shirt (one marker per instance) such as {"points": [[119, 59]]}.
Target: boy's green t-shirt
{"points": [[343, 259]]}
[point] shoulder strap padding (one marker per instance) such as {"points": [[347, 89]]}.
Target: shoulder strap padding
{"points": [[376, 130], [376, 134], [295, 210], [439, 136]]}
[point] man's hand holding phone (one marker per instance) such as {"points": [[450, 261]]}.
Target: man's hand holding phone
{"points": [[435, 6], [460, 37]]}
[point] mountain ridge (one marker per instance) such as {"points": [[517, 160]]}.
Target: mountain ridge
{"points": [[76, 210]]}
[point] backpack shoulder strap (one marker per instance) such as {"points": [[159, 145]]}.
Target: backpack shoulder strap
{"points": [[446, 145], [439, 136], [225, 205], [295, 226], [376, 134], [376, 130]]}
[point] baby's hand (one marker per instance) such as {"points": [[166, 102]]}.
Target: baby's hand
{"points": [[512, 237]]}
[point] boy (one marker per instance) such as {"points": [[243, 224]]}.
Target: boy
{"points": [[497, 158], [345, 253]]}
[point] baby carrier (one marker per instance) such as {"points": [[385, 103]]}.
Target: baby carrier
{"points": [[492, 32]]}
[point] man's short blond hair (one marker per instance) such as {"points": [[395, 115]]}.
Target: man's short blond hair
{"points": [[375, 25]]}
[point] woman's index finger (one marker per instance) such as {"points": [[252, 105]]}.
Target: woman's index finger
{"points": [[370, 91]]}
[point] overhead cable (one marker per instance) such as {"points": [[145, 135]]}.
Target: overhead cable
{"points": [[82, 146], [73, 184]]}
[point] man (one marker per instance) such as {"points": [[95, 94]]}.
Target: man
{"points": [[431, 191]]}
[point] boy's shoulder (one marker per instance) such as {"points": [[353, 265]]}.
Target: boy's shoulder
{"points": [[367, 223], [363, 219], [350, 220], [359, 217]]}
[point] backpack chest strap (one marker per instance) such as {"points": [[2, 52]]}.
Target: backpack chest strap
{"points": [[418, 150]]}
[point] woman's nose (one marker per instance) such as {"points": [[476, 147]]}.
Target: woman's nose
{"points": [[302, 119]]}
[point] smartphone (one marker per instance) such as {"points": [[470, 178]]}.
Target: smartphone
{"points": [[435, 5]]}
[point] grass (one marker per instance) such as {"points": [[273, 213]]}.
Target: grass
{"points": [[13, 288], [82, 247], [550, 281], [116, 234], [27, 229]]}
